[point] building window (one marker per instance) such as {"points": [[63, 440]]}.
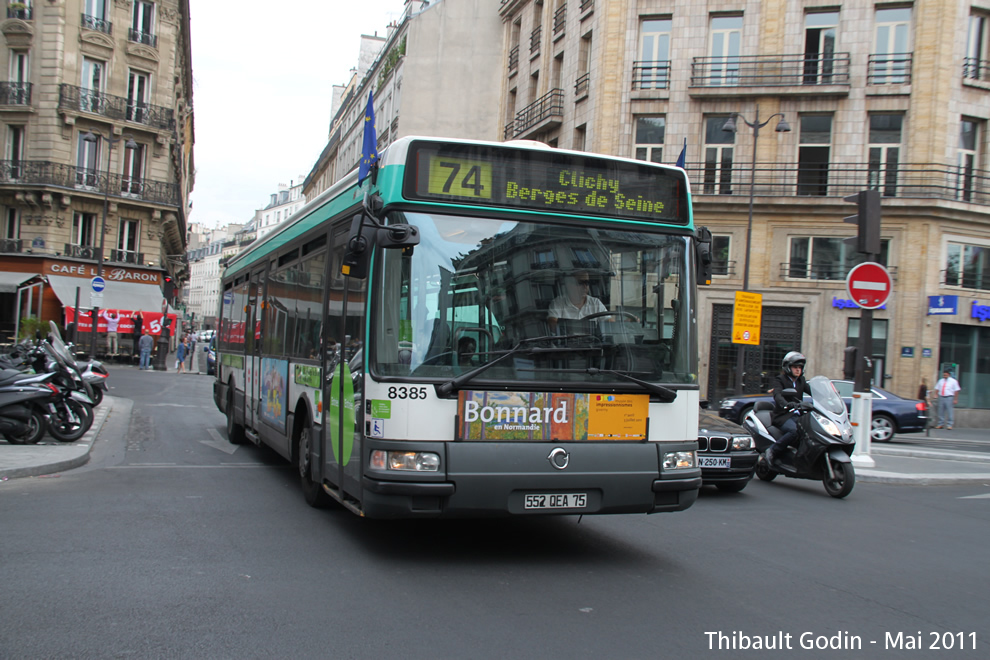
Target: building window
{"points": [[819, 46], [885, 150], [93, 80], [813, 155], [879, 347], [580, 137], [584, 258], [143, 23], [544, 259], [83, 229], [967, 158], [726, 40], [20, 75], [968, 266], [650, 133], [15, 150], [12, 221], [131, 182], [127, 238], [87, 163], [826, 258], [582, 83], [653, 69], [718, 157], [138, 88], [977, 53], [720, 255], [892, 46]]}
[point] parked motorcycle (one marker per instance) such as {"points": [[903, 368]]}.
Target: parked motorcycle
{"points": [[825, 440], [22, 406]]}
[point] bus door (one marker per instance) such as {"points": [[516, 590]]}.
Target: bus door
{"points": [[252, 349], [343, 419]]}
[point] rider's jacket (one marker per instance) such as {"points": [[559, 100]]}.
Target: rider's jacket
{"points": [[781, 382]]}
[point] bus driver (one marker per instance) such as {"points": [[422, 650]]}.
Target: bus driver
{"points": [[575, 303]]}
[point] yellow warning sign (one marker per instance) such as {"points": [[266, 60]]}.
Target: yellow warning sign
{"points": [[747, 316]]}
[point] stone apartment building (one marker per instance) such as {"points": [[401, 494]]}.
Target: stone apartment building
{"points": [[887, 96], [97, 132]]}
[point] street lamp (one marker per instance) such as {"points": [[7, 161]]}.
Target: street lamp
{"points": [[756, 125], [94, 137]]}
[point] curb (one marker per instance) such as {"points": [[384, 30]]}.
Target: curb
{"points": [[881, 477], [79, 449], [939, 454]]}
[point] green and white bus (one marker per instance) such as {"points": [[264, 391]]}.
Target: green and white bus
{"points": [[420, 344]]}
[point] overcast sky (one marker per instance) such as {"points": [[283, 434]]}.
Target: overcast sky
{"points": [[262, 78]]}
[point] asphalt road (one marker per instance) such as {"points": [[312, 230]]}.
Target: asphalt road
{"points": [[171, 543]]}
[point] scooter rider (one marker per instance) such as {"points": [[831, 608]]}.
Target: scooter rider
{"points": [[791, 377]]}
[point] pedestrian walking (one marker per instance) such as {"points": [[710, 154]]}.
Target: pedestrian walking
{"points": [[145, 344], [180, 356], [947, 390]]}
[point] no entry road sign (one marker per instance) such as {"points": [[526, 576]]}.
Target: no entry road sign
{"points": [[869, 285]]}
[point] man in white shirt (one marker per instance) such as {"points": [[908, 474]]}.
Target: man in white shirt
{"points": [[947, 391], [113, 322], [575, 303]]}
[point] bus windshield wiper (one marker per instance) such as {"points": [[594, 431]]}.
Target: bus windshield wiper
{"points": [[666, 394], [459, 381]]}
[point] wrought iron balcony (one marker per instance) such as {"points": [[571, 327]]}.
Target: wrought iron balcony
{"points": [[115, 107], [98, 24], [11, 245], [15, 93], [559, 19], [934, 181], [82, 251], [514, 59], [139, 37], [545, 111], [892, 69], [534, 40], [830, 271], [23, 13], [976, 69], [581, 84], [59, 175], [770, 70], [126, 257], [651, 75]]}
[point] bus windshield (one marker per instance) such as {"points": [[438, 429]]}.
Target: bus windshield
{"points": [[586, 301]]}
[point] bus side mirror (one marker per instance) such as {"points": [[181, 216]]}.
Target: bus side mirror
{"points": [[358, 252], [703, 250], [398, 236]]}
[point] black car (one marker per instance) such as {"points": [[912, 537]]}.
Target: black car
{"points": [[891, 413], [726, 453]]}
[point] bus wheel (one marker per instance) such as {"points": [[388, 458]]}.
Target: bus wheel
{"points": [[312, 491], [235, 431]]}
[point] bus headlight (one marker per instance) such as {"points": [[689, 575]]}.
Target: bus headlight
{"points": [[408, 461], [679, 460]]}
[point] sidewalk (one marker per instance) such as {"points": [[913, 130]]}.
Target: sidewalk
{"points": [[895, 464]]}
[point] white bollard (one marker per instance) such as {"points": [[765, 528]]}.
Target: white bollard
{"points": [[861, 417]]}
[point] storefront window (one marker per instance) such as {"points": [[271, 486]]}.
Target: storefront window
{"points": [[969, 347]]}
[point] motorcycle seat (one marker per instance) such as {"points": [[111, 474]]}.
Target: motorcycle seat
{"points": [[9, 376]]}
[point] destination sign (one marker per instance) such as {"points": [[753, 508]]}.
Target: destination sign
{"points": [[548, 181]]}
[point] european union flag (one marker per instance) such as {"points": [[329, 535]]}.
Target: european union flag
{"points": [[369, 150], [680, 159]]}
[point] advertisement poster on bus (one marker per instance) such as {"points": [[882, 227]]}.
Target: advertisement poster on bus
{"points": [[125, 321], [544, 416], [274, 374]]}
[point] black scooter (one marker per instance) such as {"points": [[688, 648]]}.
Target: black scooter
{"points": [[22, 421], [825, 440]]}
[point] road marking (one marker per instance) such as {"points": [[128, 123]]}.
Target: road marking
{"points": [[976, 497], [161, 466], [219, 442]]}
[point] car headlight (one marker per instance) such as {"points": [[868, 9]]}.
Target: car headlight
{"points": [[742, 443], [680, 460], [728, 403], [828, 425]]}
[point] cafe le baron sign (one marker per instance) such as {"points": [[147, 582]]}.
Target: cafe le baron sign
{"points": [[109, 274]]}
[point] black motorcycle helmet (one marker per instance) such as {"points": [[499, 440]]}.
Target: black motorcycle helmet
{"points": [[793, 359]]}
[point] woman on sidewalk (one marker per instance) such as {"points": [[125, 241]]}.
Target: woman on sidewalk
{"points": [[180, 356]]}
